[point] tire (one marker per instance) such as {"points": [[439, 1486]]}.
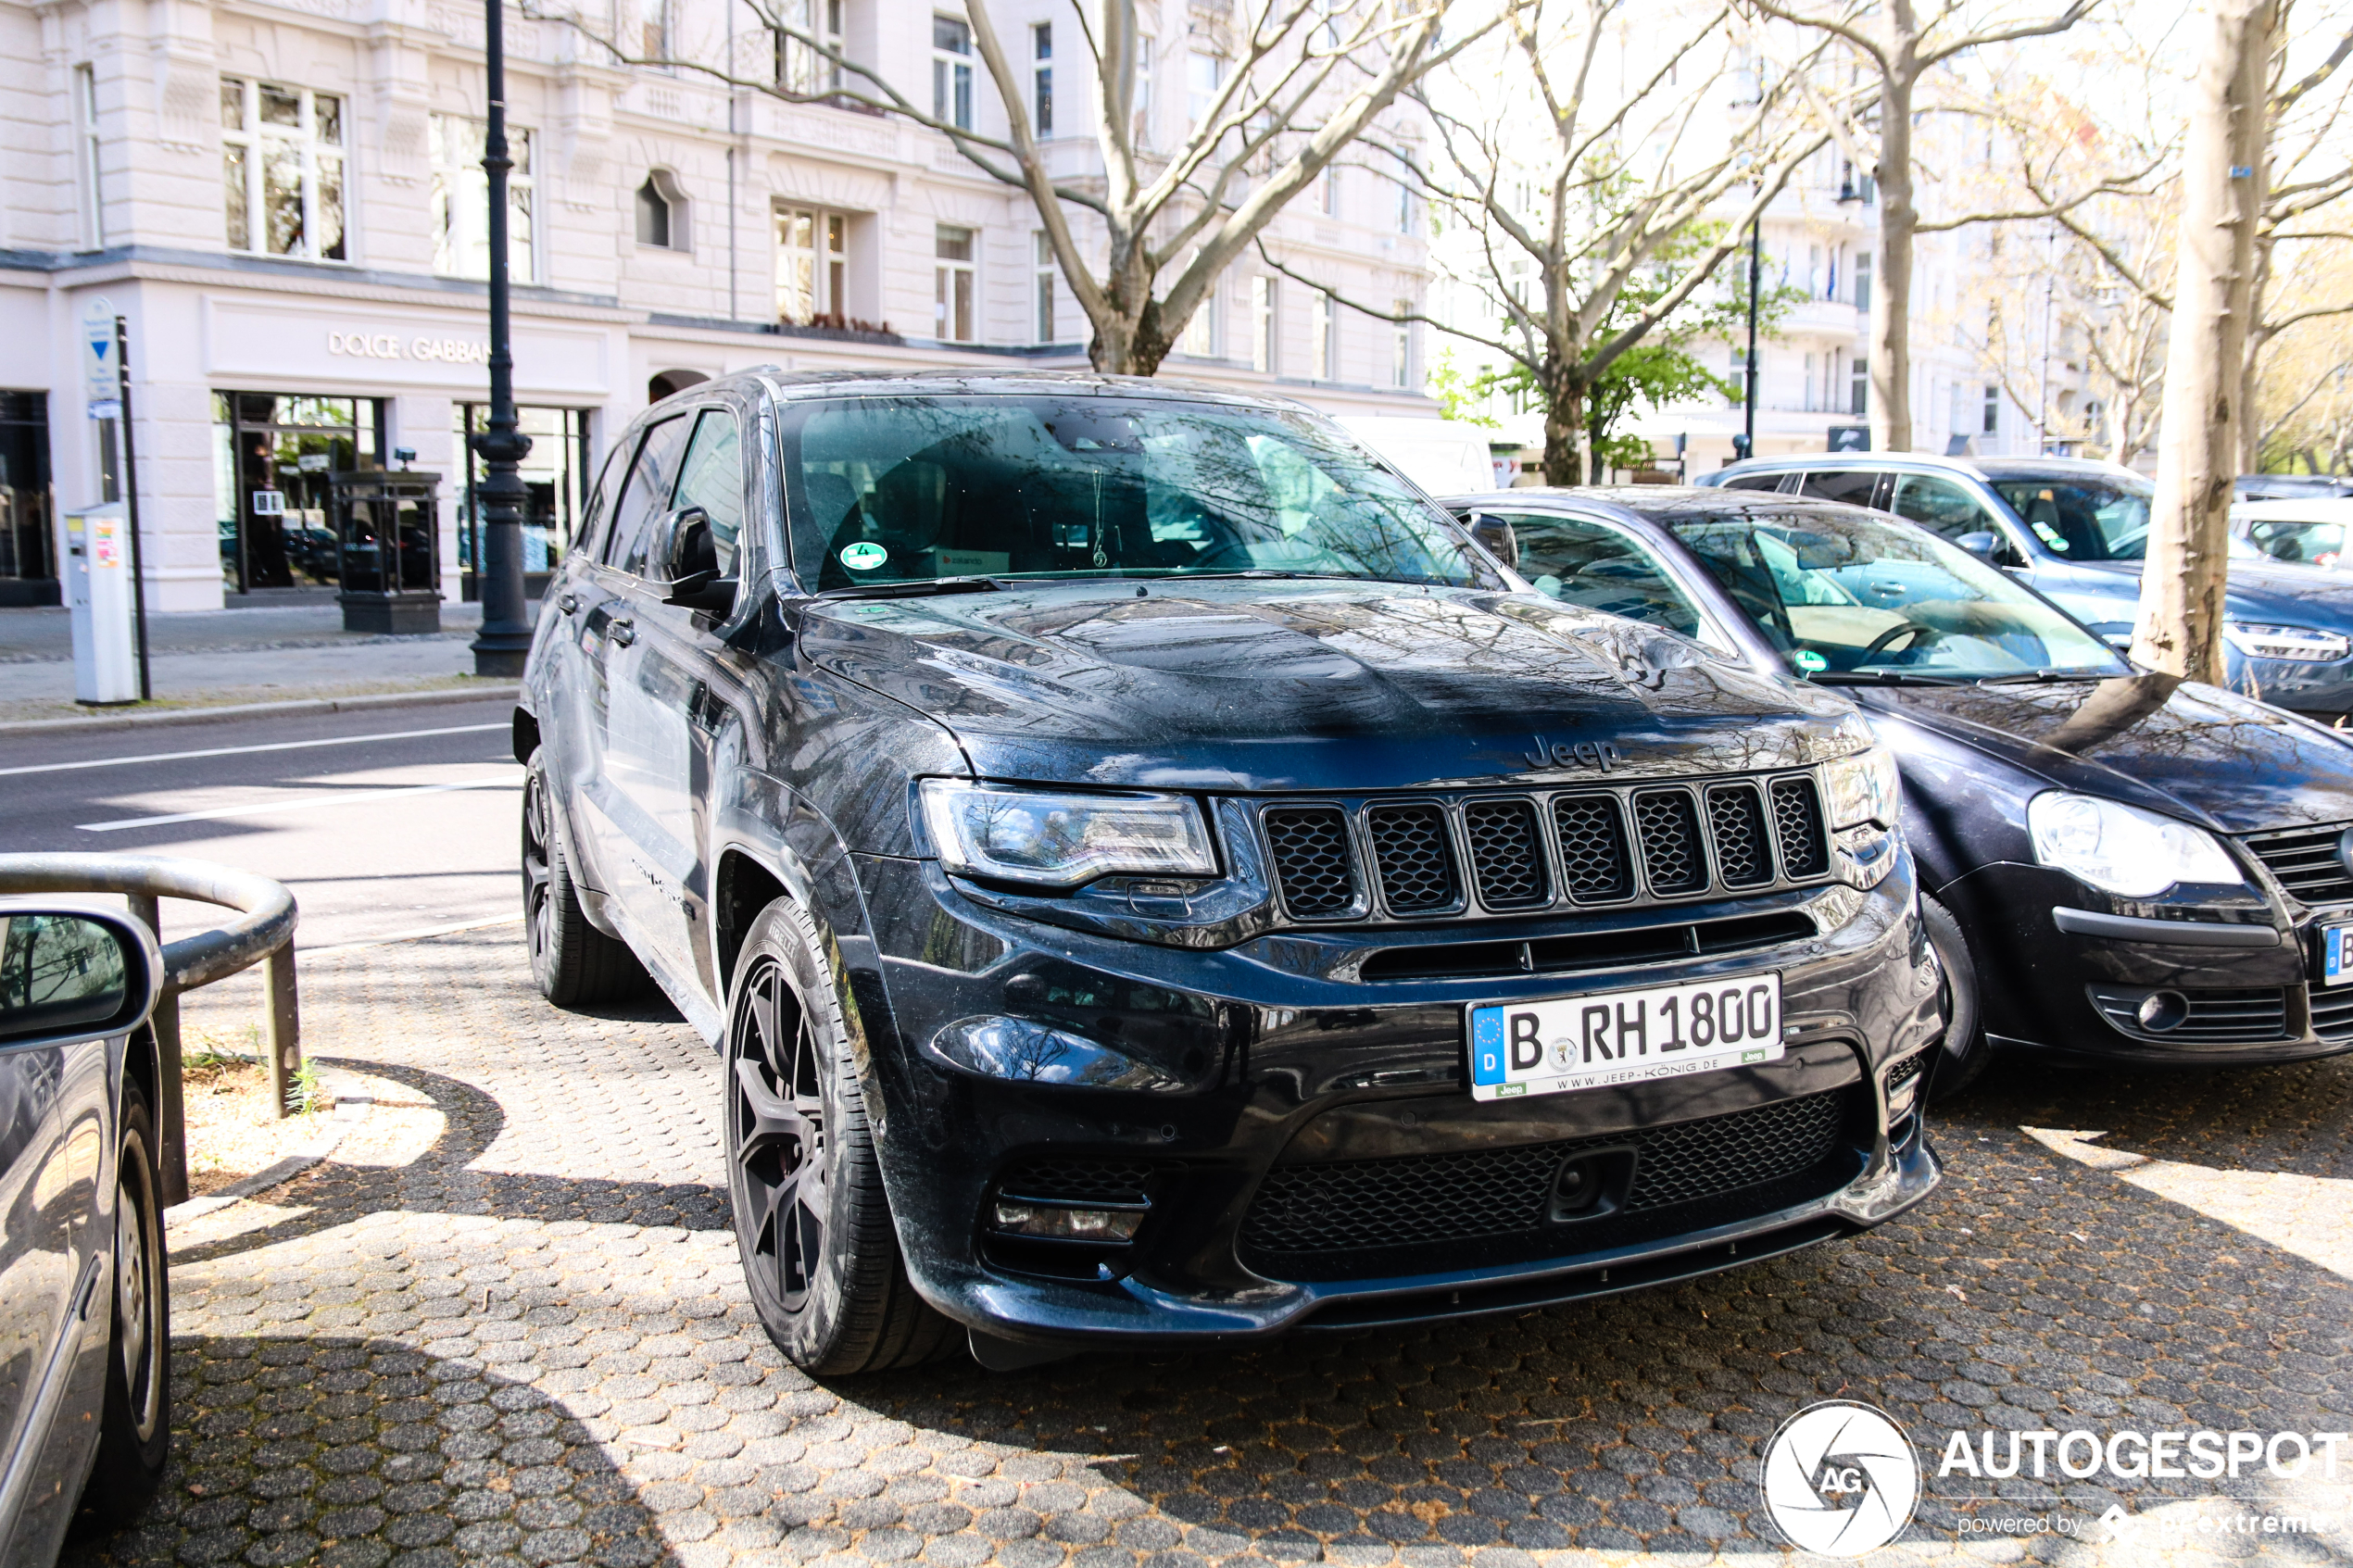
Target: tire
{"points": [[1964, 1055], [134, 1434], [572, 962], [813, 1223]]}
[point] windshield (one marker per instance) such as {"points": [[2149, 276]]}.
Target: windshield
{"points": [[908, 489], [1840, 593], [2309, 543], [2095, 518]]}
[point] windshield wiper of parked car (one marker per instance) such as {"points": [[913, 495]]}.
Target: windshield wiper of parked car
{"points": [[2045, 675], [915, 586], [1881, 677]]}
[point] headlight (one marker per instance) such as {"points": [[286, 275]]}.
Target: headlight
{"points": [[2295, 645], [1865, 788], [2122, 849], [1062, 840]]}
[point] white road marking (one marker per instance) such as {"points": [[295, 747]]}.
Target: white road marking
{"points": [[273, 808], [242, 750], [416, 935]]}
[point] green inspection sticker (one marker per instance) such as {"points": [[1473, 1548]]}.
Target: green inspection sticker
{"points": [[863, 555], [1809, 661]]}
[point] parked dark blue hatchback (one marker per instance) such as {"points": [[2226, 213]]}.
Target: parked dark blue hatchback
{"points": [[2116, 864], [2074, 531]]}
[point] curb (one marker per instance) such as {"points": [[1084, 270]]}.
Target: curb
{"points": [[258, 710]]}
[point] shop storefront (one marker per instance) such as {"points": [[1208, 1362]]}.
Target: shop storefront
{"points": [[273, 459], [28, 559], [556, 473]]}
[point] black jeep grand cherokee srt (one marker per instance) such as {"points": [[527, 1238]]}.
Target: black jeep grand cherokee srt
{"points": [[1151, 878]]}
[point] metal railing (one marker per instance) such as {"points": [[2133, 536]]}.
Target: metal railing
{"points": [[265, 934]]}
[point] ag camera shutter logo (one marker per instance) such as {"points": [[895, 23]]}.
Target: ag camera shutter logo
{"points": [[1841, 1479]]}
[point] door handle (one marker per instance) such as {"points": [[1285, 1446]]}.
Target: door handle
{"points": [[567, 603], [623, 629]]}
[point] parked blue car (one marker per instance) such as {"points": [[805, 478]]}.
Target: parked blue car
{"points": [[2074, 529]]}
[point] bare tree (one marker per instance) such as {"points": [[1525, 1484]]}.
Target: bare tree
{"points": [[1300, 81], [1586, 219], [1899, 47], [2180, 628]]}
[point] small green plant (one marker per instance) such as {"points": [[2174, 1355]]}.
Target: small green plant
{"points": [[203, 1051], [310, 1095]]}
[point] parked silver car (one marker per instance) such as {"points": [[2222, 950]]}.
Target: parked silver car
{"points": [[86, 1342]]}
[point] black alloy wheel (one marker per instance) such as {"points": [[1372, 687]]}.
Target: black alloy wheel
{"points": [[134, 1434], [572, 962], [813, 1223], [1964, 1054]]}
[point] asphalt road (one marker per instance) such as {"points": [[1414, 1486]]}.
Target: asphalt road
{"points": [[383, 824]]}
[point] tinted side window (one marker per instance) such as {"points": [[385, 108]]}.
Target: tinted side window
{"points": [[1941, 507], [1591, 564], [599, 511], [1856, 487], [712, 477], [645, 497], [1754, 481]]}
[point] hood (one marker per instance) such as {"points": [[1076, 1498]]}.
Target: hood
{"points": [[2308, 595], [1257, 686], [2184, 749]]}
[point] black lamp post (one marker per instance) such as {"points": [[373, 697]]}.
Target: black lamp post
{"points": [[1747, 441], [506, 632]]}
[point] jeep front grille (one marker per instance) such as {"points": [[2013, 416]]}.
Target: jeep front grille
{"points": [[1413, 858]]}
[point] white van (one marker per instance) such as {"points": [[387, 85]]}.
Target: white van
{"points": [[1444, 457]]}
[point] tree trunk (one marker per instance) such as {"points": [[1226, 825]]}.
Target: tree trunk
{"points": [[2180, 627], [1565, 457], [1891, 277]]}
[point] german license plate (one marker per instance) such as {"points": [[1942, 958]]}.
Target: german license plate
{"points": [[1549, 1048], [2337, 955]]}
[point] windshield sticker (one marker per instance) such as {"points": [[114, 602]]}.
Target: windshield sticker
{"points": [[863, 555], [1808, 660], [2048, 534]]}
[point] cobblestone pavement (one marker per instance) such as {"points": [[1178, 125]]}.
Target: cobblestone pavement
{"points": [[504, 1325]]}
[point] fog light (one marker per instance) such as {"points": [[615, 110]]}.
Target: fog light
{"points": [[2162, 1010], [1067, 1225]]}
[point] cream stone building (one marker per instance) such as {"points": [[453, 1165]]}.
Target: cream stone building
{"points": [[283, 198]]}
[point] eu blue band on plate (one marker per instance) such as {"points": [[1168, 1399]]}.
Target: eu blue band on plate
{"points": [[1487, 1045]]}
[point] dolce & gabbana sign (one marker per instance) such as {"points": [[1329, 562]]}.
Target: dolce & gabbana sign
{"points": [[393, 345]]}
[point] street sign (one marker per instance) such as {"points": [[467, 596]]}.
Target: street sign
{"points": [[1850, 438], [101, 372]]}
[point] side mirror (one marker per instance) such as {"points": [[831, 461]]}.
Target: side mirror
{"points": [[69, 975], [695, 583], [1980, 544], [1495, 537]]}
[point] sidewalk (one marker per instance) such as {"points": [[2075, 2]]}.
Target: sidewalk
{"points": [[210, 657]]}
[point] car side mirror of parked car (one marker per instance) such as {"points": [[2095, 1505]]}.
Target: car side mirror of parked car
{"points": [[69, 975], [695, 583], [1496, 537], [1979, 542]]}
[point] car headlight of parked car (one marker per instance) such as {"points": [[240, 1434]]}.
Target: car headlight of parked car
{"points": [[1061, 840], [2122, 849], [2294, 644]]}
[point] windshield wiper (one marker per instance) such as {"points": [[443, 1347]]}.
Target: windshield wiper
{"points": [[1881, 677], [2045, 675], [917, 587]]}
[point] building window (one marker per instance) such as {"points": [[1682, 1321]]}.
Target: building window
{"points": [[1204, 335], [1145, 49], [801, 68], [281, 174], [1041, 48], [1331, 192], [951, 73], [654, 30], [85, 114], [952, 286], [1400, 348], [1859, 398], [1264, 341], [1809, 384], [1993, 424], [461, 200], [1405, 208], [812, 266], [1862, 279], [661, 212], [1045, 270], [1324, 330], [1203, 75]]}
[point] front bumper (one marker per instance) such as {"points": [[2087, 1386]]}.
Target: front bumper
{"points": [[1208, 1090], [2068, 995]]}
